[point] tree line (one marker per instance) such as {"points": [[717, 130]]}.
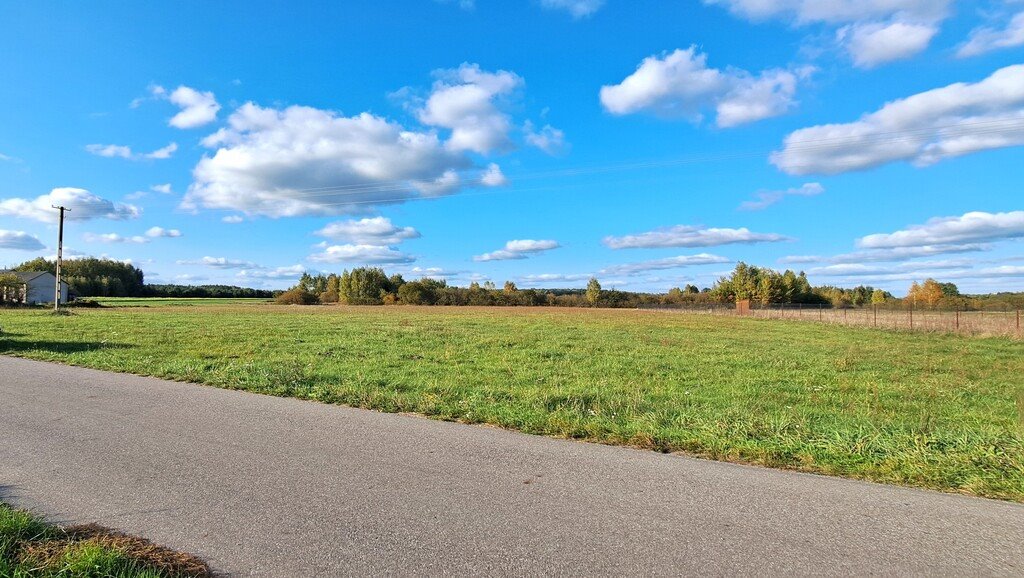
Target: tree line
{"points": [[761, 285], [94, 277]]}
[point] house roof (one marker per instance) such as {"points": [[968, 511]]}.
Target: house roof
{"points": [[27, 276]]}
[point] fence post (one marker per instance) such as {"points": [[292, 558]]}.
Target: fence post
{"points": [[874, 310], [911, 316], [958, 320], [1018, 321], [820, 307]]}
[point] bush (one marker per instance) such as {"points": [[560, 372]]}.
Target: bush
{"points": [[296, 296]]}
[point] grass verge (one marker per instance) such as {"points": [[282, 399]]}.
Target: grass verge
{"points": [[928, 410], [29, 547]]}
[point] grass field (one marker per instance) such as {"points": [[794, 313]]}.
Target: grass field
{"points": [[31, 548], [930, 410], [172, 301]]}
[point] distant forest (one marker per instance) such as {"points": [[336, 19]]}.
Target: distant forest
{"points": [[108, 278], [763, 286], [372, 286]]}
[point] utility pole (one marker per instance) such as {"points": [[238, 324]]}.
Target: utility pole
{"points": [[60, 254]]}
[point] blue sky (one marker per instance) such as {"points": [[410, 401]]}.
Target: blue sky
{"points": [[651, 143]]}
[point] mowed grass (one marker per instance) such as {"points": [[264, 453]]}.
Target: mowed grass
{"points": [[929, 410], [32, 548]]}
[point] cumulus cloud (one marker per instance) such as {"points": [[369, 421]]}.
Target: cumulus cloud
{"points": [[860, 269], [691, 236], [834, 11], [275, 273], [464, 100], [973, 227], [83, 204], [19, 241], [220, 263], [577, 8], [113, 238], [541, 278], [988, 39], [765, 199], [361, 253], [158, 232], [493, 177], [871, 31], [197, 108], [548, 139], [888, 254], [432, 273], [370, 231], [518, 249], [661, 264], [924, 129], [163, 189], [125, 152], [233, 219], [681, 85], [874, 43], [306, 161]]}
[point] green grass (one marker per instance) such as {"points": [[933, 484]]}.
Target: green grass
{"points": [[29, 547], [173, 301], [929, 410]]}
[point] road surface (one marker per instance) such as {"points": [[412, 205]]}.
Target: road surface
{"points": [[280, 487]]}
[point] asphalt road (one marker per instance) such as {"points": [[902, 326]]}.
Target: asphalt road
{"points": [[280, 487]]}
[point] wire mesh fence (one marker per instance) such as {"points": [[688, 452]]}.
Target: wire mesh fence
{"points": [[994, 322]]}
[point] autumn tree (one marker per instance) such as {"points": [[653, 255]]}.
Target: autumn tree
{"points": [[593, 291]]}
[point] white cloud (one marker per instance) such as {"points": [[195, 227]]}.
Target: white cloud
{"points": [[875, 31], [518, 249], [164, 188], [463, 100], [548, 139], [158, 232], [661, 264], [109, 151], [233, 219], [369, 231], [221, 263], [875, 43], [987, 39], [973, 227], [542, 278], [83, 204], [691, 236], [19, 241], [834, 11], [681, 85], [493, 177], [924, 129], [577, 8], [361, 253], [306, 161], [432, 273], [888, 254], [801, 259], [765, 199], [125, 152], [197, 108], [113, 238], [860, 269], [187, 277], [290, 272]]}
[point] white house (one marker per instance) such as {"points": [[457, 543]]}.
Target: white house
{"points": [[38, 287]]}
